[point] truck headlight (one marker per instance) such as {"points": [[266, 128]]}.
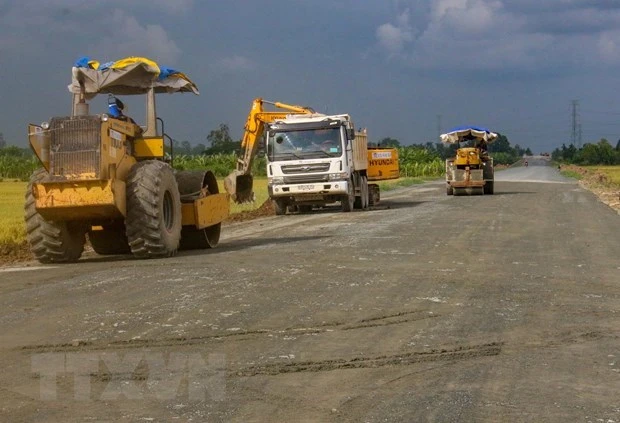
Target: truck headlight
{"points": [[338, 176], [104, 117], [275, 180], [45, 125]]}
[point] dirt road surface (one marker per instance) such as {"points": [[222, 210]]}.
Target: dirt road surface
{"points": [[429, 308]]}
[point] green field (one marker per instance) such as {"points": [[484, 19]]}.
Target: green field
{"points": [[13, 231], [12, 228]]}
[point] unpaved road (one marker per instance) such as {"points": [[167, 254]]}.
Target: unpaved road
{"points": [[436, 308]]}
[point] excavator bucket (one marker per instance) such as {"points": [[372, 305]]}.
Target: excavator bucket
{"points": [[239, 186]]}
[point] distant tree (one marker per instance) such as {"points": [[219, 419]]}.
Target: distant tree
{"points": [[186, 147], [3, 142], [388, 142], [618, 146], [528, 152], [220, 136], [500, 145], [221, 142], [199, 149]]}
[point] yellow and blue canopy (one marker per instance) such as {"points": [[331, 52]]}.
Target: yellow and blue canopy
{"points": [[127, 76]]}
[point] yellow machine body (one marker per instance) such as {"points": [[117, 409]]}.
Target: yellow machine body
{"points": [[382, 163]]}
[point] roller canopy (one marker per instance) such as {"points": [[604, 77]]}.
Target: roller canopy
{"points": [[131, 75], [464, 133]]}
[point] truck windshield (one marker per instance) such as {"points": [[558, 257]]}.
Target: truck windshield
{"points": [[306, 144]]}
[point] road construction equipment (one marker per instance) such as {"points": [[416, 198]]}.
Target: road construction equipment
{"points": [[471, 170], [313, 159], [382, 165], [107, 177], [239, 183]]}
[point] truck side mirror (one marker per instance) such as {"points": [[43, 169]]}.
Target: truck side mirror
{"points": [[351, 133]]}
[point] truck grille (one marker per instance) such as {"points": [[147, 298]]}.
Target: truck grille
{"points": [[75, 146], [305, 168], [302, 179]]}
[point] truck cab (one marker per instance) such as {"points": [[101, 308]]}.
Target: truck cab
{"points": [[314, 161]]}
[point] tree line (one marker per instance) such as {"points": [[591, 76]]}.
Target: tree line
{"points": [[500, 149], [600, 153]]}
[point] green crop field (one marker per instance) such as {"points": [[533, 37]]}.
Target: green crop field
{"points": [[12, 229]]}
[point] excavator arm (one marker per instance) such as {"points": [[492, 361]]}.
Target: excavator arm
{"points": [[239, 183]]}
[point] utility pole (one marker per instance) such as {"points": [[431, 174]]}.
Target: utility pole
{"points": [[575, 125]]}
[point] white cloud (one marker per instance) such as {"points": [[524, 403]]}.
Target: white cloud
{"points": [[234, 63], [113, 28], [393, 38], [609, 47], [500, 34], [127, 37]]}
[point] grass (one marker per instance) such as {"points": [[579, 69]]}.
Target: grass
{"points": [[571, 174], [260, 191], [593, 173], [12, 228], [612, 172]]}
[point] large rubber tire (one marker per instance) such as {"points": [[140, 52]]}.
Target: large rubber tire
{"points": [[280, 207], [449, 190], [365, 193], [374, 195], [153, 219], [348, 200], [110, 240], [489, 187], [51, 242]]}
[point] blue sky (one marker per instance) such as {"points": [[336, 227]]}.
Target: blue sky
{"points": [[401, 68]]}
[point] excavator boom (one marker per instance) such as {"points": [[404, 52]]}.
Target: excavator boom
{"points": [[239, 183]]}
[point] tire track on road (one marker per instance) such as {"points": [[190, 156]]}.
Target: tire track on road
{"points": [[447, 354], [371, 322]]}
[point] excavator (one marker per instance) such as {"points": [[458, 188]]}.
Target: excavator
{"points": [[239, 183]]}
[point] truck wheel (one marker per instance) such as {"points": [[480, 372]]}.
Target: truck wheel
{"points": [[449, 190], [280, 207], [373, 195], [153, 210], [51, 242], [366, 194], [110, 240], [348, 200]]}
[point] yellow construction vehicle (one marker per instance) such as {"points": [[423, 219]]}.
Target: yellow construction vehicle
{"points": [[471, 170], [107, 177], [239, 183], [382, 165], [313, 159]]}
